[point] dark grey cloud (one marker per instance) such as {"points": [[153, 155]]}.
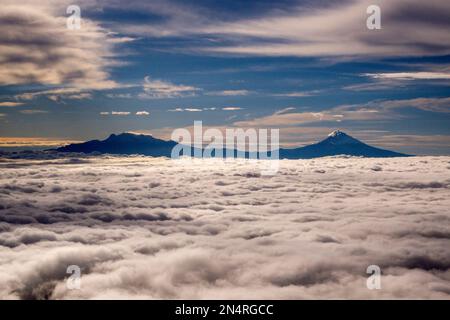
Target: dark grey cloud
{"points": [[36, 47]]}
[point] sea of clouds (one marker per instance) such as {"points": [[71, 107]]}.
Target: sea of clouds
{"points": [[141, 227]]}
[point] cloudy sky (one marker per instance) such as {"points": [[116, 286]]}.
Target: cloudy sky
{"points": [[307, 67]]}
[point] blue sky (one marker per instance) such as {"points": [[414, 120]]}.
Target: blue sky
{"points": [[306, 67]]}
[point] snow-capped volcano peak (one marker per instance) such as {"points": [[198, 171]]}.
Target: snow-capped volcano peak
{"points": [[339, 137], [337, 133]]}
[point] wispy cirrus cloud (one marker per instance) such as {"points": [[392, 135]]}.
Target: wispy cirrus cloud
{"points": [[286, 118], [56, 94], [375, 86], [195, 109], [416, 74], [373, 110], [159, 89], [310, 29], [124, 113], [227, 93], [185, 109], [297, 94], [341, 31], [11, 104], [115, 113], [119, 95], [231, 108], [419, 75], [291, 119], [298, 28], [440, 105]]}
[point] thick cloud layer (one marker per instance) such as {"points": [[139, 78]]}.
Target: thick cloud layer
{"points": [[156, 228]]}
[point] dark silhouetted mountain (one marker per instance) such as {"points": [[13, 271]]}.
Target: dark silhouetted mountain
{"points": [[337, 143], [125, 143]]}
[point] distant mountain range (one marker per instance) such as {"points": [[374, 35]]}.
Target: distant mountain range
{"points": [[337, 143]]}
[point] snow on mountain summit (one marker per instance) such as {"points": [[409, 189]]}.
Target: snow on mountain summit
{"points": [[336, 133], [339, 137]]}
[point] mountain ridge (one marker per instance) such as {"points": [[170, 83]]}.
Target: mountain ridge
{"points": [[336, 143]]}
